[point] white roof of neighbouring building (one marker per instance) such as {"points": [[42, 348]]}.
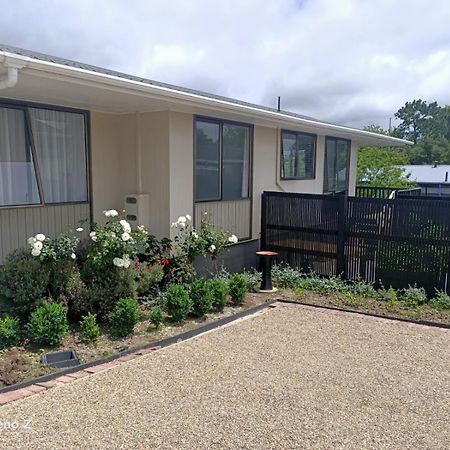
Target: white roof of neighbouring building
{"points": [[429, 173]]}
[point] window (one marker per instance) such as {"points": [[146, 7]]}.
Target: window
{"points": [[337, 160], [222, 160], [297, 155], [42, 156], [18, 185]]}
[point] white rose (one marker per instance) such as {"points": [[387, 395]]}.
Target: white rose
{"points": [[118, 262], [35, 252], [38, 245], [174, 225], [212, 248], [93, 235], [107, 213], [126, 226], [113, 213], [194, 235], [31, 240], [40, 237], [73, 256], [181, 219], [126, 237], [233, 239], [188, 217], [79, 229], [126, 261]]}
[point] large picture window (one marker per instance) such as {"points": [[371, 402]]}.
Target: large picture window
{"points": [[43, 156], [222, 160], [337, 160], [298, 152]]}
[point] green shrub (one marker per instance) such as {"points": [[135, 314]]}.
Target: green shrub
{"points": [[219, 290], [201, 296], [238, 288], [9, 332], [124, 317], [48, 323], [284, 276], [106, 286], [178, 302], [324, 285], [148, 277], [24, 282], [89, 328], [156, 316], [440, 301], [76, 296], [363, 288], [413, 296]]}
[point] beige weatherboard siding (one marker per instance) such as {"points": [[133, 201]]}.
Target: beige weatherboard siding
{"points": [[18, 224]]}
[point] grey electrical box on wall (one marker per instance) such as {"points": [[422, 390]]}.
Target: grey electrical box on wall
{"points": [[137, 209]]}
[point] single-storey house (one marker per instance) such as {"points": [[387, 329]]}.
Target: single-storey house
{"points": [[77, 139]]}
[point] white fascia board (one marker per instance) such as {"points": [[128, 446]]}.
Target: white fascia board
{"points": [[194, 99]]}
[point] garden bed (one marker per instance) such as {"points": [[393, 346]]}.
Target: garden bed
{"points": [[24, 363], [373, 306]]}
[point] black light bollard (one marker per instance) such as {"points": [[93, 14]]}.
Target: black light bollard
{"points": [[266, 262]]}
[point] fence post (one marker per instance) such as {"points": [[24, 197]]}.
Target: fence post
{"points": [[263, 241], [340, 256]]}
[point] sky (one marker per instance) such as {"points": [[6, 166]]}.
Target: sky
{"points": [[354, 62]]}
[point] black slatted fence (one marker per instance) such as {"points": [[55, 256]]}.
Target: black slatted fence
{"points": [[398, 242]]}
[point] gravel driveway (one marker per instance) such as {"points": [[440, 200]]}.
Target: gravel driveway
{"points": [[292, 377]]}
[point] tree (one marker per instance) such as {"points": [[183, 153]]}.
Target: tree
{"points": [[419, 119], [379, 166]]}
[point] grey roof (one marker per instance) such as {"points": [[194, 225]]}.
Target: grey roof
{"points": [[428, 174], [79, 65]]}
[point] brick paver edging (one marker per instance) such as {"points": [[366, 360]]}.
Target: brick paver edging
{"points": [[368, 314], [39, 384]]}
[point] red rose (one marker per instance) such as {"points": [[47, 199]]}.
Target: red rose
{"points": [[165, 262]]}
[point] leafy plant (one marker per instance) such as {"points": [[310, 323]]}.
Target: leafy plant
{"points": [[124, 317], [363, 288], [202, 297], [9, 332], [413, 296], [285, 276], [90, 329], [24, 282], [178, 302], [219, 291], [148, 277], [238, 288], [156, 316], [324, 285], [48, 323], [440, 301]]}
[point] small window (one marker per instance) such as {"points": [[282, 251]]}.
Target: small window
{"points": [[298, 152], [337, 160]]}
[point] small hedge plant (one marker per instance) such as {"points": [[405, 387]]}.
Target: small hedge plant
{"points": [[413, 296], [90, 329], [48, 324], [124, 317], [440, 301], [201, 296], [219, 291], [238, 288], [156, 316], [9, 332], [178, 302]]}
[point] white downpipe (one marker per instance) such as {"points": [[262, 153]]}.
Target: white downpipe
{"points": [[11, 78]]}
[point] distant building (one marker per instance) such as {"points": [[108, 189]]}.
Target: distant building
{"points": [[429, 173]]}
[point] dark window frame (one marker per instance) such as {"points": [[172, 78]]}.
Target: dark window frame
{"points": [[297, 133], [347, 163], [221, 123], [24, 106]]}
